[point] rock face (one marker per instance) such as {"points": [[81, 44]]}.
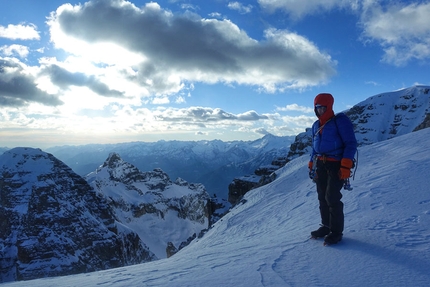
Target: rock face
{"points": [[52, 222], [164, 213], [263, 175], [425, 124]]}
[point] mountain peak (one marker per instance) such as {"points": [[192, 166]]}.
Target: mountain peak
{"points": [[45, 209], [113, 159], [142, 199]]}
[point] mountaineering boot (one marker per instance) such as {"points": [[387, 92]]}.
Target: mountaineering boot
{"points": [[320, 232], [332, 238]]}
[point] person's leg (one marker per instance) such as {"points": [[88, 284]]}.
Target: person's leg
{"points": [[321, 184], [333, 198]]}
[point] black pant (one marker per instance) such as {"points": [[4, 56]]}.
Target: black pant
{"points": [[329, 186]]}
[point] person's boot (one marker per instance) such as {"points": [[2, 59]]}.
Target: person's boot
{"points": [[332, 238], [320, 232]]}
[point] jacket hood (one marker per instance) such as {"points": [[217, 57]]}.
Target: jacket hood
{"points": [[324, 99]]}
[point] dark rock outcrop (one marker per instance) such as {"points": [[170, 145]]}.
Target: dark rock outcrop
{"points": [[53, 223]]}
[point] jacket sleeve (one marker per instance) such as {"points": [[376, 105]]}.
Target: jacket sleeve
{"points": [[346, 132], [313, 152]]}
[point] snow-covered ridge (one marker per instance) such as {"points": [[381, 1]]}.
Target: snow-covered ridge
{"points": [[388, 115], [164, 213], [380, 117]]}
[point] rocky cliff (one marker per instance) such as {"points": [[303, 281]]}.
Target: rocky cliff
{"points": [[52, 222], [165, 213]]}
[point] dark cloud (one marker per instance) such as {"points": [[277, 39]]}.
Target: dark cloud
{"points": [[207, 49], [262, 131], [183, 40], [18, 88], [63, 78]]}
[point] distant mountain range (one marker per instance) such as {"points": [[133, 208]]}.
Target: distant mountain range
{"points": [[212, 163]]}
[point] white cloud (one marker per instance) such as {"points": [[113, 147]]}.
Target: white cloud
{"points": [[295, 107], [163, 100], [241, 8], [402, 31], [22, 32], [261, 131], [207, 115], [295, 125], [300, 8], [20, 50]]}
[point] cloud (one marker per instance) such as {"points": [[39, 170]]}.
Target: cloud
{"points": [[299, 8], [373, 83], [242, 9], [185, 48], [261, 131], [63, 78], [22, 32], [251, 116], [201, 114], [18, 88], [403, 31], [295, 107], [19, 50]]}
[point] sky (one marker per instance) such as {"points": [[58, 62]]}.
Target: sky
{"points": [[111, 71], [265, 240]]}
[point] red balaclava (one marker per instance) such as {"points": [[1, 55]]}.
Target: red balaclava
{"points": [[324, 99]]}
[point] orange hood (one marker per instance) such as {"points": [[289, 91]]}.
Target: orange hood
{"points": [[324, 99]]}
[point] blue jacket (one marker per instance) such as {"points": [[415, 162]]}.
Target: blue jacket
{"points": [[336, 139]]}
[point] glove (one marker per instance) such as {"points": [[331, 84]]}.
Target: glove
{"points": [[345, 168], [312, 173]]}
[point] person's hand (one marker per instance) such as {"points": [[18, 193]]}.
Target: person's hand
{"points": [[345, 168], [312, 173]]}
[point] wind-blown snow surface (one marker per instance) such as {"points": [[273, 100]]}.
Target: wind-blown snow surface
{"points": [[264, 241]]}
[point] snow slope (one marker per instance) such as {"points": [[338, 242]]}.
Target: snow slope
{"points": [[264, 241]]}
